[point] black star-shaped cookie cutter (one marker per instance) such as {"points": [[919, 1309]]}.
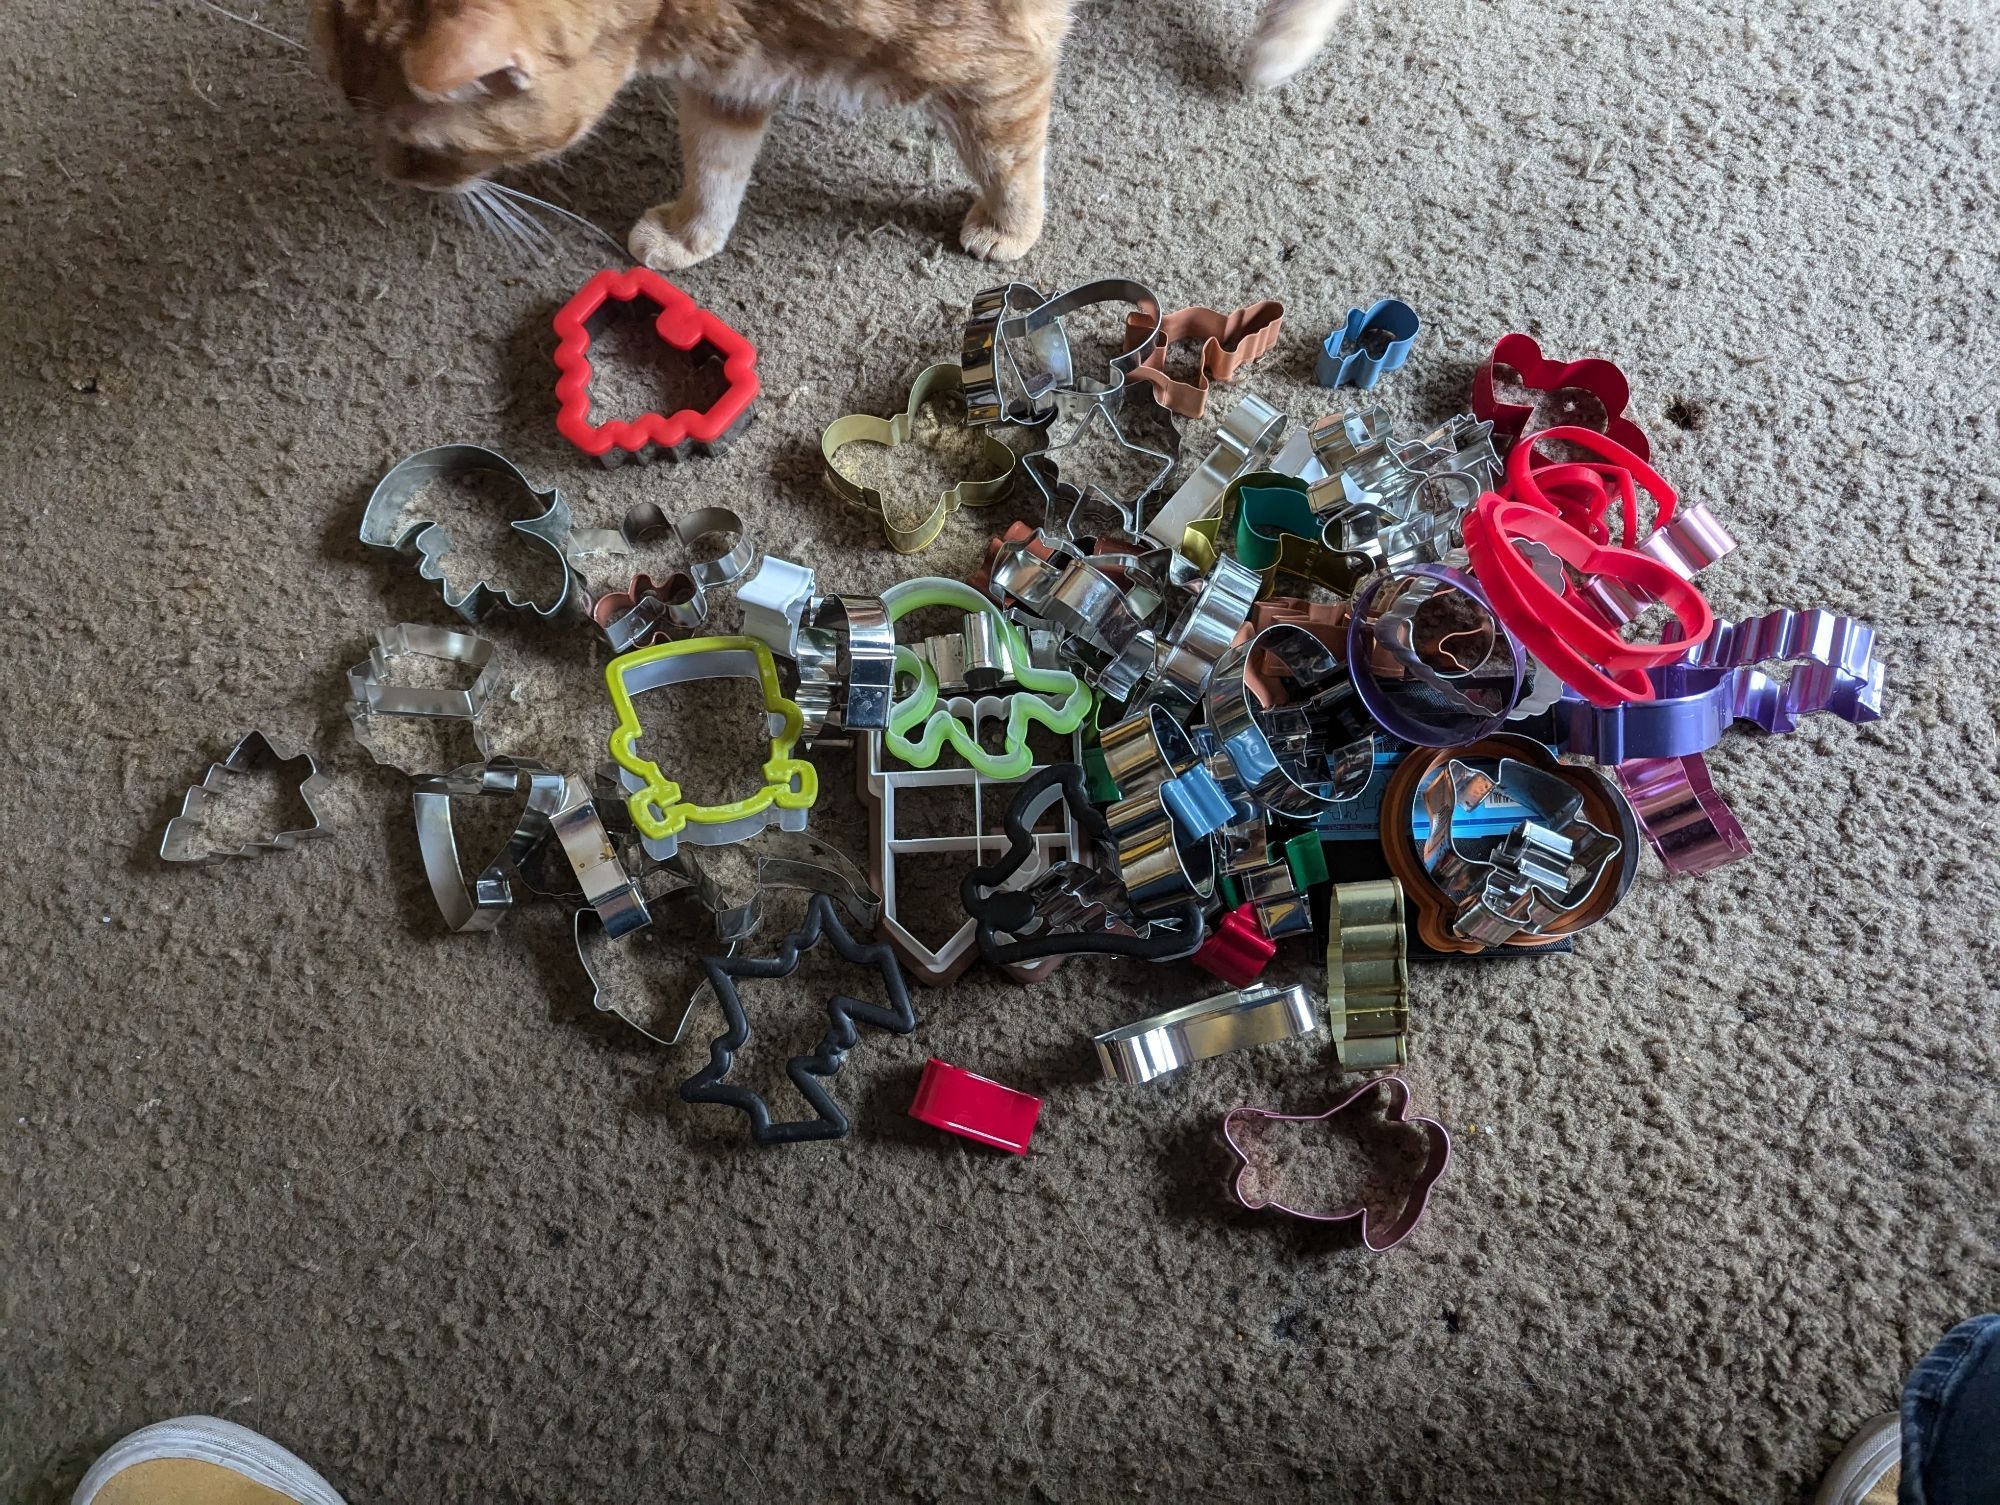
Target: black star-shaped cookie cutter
{"points": [[822, 922], [999, 911]]}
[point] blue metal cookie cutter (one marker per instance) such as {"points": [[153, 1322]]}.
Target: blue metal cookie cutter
{"points": [[1370, 344]]}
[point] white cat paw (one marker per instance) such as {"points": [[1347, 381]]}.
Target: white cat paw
{"points": [[656, 241], [989, 241]]}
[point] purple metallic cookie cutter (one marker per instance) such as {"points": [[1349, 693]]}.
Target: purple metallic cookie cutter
{"points": [[1415, 1200], [1690, 827], [1468, 726]]}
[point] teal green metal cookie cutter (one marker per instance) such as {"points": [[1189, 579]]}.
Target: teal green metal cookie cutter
{"points": [[1034, 703]]}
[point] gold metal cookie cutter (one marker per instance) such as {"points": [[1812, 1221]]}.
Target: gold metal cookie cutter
{"points": [[1368, 976]]}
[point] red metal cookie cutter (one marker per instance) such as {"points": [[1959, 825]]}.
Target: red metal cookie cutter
{"points": [[1415, 1200], [962, 1102], [686, 327], [1237, 950], [1600, 378]]}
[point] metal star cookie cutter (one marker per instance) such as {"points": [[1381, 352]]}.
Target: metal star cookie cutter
{"points": [[181, 841], [664, 819], [1080, 416], [1149, 1048], [481, 902], [807, 1073], [862, 428], [1250, 435], [385, 528], [1368, 976], [375, 693], [1372, 343], [1415, 1200], [1229, 342]]}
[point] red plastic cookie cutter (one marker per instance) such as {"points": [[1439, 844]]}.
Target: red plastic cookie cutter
{"points": [[1520, 354], [686, 327], [962, 1102], [1237, 950]]}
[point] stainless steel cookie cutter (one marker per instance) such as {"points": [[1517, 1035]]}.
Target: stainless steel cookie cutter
{"points": [[847, 665], [1152, 1047], [181, 841], [375, 693], [650, 610], [775, 598], [1170, 808], [608, 889], [1250, 434], [479, 903], [1206, 631], [1295, 756], [384, 527], [995, 368], [1081, 418]]}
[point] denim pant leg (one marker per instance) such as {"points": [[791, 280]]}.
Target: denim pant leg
{"points": [[1951, 1420]]}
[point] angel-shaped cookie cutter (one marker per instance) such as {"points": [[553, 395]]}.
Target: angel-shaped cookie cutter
{"points": [[1229, 342], [932, 384], [1369, 345], [1415, 1199], [182, 839]]}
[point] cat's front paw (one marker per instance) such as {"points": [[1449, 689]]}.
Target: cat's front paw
{"points": [[665, 241], [990, 240]]}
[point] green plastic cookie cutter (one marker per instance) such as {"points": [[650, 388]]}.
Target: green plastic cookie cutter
{"points": [[791, 785], [1034, 702]]}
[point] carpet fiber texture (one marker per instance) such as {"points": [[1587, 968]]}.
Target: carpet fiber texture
{"points": [[279, 1149]]}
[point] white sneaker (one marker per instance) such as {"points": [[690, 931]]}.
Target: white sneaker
{"points": [[201, 1460], [1868, 1468]]}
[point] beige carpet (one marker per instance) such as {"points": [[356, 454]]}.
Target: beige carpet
{"points": [[279, 1149]]}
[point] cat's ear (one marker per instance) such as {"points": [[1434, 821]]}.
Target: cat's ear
{"points": [[468, 51]]}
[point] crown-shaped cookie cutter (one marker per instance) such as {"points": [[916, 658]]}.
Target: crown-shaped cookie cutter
{"points": [[684, 326]]}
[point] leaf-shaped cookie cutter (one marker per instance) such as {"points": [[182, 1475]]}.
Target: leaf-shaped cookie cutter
{"points": [[864, 428]]}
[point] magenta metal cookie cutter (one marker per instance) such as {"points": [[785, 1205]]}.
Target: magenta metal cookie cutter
{"points": [[1415, 1199]]}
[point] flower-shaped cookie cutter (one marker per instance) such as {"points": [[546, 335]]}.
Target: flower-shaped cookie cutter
{"points": [[1373, 342], [1520, 356], [932, 384], [181, 841], [1053, 698], [1415, 1199], [1229, 342], [664, 819], [684, 326]]}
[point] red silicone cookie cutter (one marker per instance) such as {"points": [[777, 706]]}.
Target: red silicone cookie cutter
{"points": [[1520, 354], [685, 326], [963, 1102]]}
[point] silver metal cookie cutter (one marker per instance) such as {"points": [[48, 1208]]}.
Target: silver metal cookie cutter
{"points": [[374, 691], [480, 902], [1250, 434], [1080, 416], [1149, 1048], [1207, 629], [1295, 757], [996, 369], [181, 841], [650, 609], [608, 889], [847, 665], [775, 598], [386, 528]]}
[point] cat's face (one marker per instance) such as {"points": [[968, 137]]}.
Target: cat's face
{"points": [[453, 89]]}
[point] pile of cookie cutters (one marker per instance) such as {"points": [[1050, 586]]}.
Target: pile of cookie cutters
{"points": [[1390, 694]]}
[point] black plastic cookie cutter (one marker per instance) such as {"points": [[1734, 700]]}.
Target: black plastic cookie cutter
{"points": [[822, 922], [1033, 916]]}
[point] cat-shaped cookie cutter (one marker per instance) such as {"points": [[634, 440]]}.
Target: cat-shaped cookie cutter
{"points": [[1415, 1200], [386, 527]]}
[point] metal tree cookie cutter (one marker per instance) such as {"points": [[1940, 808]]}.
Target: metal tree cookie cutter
{"points": [[1150, 1048], [994, 369], [1071, 909], [847, 665], [807, 1073], [1443, 687], [1690, 827], [882, 788], [1249, 436], [1415, 1199], [664, 819], [683, 326], [1229, 342], [1436, 911], [385, 528], [181, 841], [1052, 698], [1299, 753], [862, 428], [1368, 976], [375, 693], [1373, 342], [479, 903], [1081, 420]]}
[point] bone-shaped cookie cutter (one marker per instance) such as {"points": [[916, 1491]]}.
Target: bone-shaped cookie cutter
{"points": [[374, 692], [664, 819], [384, 526], [683, 326], [1415, 1200], [1229, 342], [1150, 1048], [1369, 345], [932, 384], [182, 839], [1368, 975]]}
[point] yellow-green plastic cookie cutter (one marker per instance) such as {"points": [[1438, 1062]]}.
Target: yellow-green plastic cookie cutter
{"points": [[941, 722], [864, 428], [791, 785], [1302, 558]]}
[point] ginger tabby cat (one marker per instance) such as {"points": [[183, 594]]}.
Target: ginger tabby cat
{"points": [[454, 89]]}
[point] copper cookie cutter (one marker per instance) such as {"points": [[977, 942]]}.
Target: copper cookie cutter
{"points": [[1229, 342]]}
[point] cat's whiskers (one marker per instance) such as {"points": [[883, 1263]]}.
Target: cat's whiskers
{"points": [[531, 238], [527, 204]]}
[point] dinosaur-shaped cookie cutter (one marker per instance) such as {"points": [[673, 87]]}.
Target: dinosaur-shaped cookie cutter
{"points": [[181, 841], [932, 384], [1229, 342], [1372, 343]]}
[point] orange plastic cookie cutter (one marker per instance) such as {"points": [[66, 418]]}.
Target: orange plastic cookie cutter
{"points": [[685, 326], [1229, 342]]}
